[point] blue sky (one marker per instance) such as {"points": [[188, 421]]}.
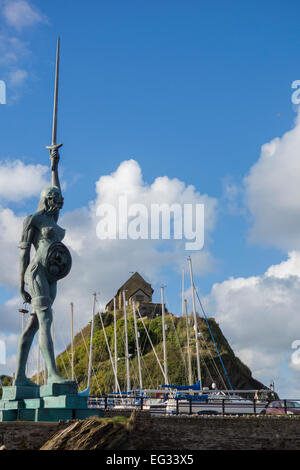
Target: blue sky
{"points": [[189, 90]]}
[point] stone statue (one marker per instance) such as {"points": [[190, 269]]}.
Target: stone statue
{"points": [[51, 262]]}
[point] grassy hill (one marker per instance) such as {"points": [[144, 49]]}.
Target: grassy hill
{"points": [[103, 380]]}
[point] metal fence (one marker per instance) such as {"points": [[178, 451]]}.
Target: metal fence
{"points": [[177, 406]]}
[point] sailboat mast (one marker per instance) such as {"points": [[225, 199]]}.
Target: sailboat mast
{"points": [[91, 343], [38, 366], [195, 323], [164, 334], [72, 339], [188, 343], [53, 330], [153, 348], [116, 346], [137, 345], [118, 390], [182, 293], [52, 334], [126, 343]]}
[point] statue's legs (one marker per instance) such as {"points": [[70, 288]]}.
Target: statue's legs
{"points": [[23, 351], [45, 317], [43, 295], [46, 344]]}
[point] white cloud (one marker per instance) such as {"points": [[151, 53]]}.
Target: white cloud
{"points": [[21, 14], [232, 197], [12, 50], [17, 14], [273, 192], [17, 77], [104, 264], [13, 54], [286, 269], [260, 317], [97, 265], [19, 181], [10, 233]]}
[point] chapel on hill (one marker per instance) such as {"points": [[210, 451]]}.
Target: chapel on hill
{"points": [[139, 290]]}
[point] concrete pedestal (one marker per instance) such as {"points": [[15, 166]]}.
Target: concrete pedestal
{"points": [[52, 402]]}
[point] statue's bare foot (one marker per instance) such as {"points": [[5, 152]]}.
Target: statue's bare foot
{"points": [[24, 382], [57, 379]]}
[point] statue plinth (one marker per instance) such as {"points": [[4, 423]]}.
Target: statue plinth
{"points": [[51, 402], [56, 389], [18, 392]]}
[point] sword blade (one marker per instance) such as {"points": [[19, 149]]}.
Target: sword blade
{"points": [[55, 106]]}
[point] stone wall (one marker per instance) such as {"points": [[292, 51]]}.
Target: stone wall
{"points": [[216, 433], [162, 433], [27, 435]]}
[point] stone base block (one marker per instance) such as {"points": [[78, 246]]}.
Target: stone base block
{"points": [[65, 401], [8, 415], [42, 414], [49, 414], [33, 403], [26, 415], [53, 414], [17, 392], [56, 389], [11, 404]]}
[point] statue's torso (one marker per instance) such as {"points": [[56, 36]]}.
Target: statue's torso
{"points": [[47, 231], [51, 254]]}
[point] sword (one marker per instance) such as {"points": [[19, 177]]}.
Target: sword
{"points": [[54, 145]]}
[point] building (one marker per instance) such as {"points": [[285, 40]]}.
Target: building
{"points": [[139, 290]]}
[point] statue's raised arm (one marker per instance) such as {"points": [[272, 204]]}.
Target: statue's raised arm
{"points": [[54, 158]]}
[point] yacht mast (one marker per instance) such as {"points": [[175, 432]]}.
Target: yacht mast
{"points": [[153, 348], [195, 323], [188, 343], [137, 345], [72, 340], [126, 344], [53, 330], [164, 334], [110, 356], [116, 346], [38, 366], [182, 293], [91, 343]]}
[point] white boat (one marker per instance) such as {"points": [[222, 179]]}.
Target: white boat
{"points": [[154, 403]]}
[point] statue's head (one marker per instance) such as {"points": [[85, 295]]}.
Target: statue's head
{"points": [[51, 200]]}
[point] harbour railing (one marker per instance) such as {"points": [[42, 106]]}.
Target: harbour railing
{"points": [[178, 406]]}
